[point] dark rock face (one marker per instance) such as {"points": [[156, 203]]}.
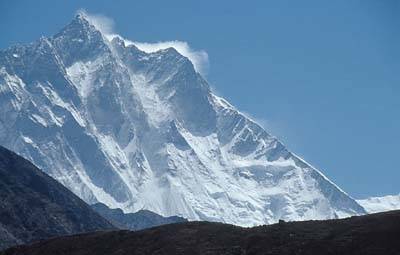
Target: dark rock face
{"points": [[134, 221], [364, 235], [34, 206]]}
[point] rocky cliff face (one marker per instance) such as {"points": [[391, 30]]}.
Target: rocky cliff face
{"points": [[137, 130], [34, 206]]}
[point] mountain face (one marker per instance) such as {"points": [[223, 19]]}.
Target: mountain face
{"points": [[134, 221], [381, 204], [34, 206], [137, 130], [375, 234]]}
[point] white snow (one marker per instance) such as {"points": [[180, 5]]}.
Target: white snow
{"points": [[39, 119], [199, 58], [27, 139], [381, 204], [158, 111], [137, 147], [81, 76]]}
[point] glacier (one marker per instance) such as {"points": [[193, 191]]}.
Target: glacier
{"points": [[380, 204], [142, 130]]}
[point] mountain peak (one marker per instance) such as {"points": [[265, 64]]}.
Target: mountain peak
{"points": [[86, 21], [81, 15], [80, 27], [113, 145], [79, 40]]}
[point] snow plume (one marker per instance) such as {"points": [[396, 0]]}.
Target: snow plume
{"points": [[105, 25], [102, 23], [199, 58]]}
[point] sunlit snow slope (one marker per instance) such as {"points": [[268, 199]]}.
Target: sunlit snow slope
{"points": [[381, 204], [139, 130]]}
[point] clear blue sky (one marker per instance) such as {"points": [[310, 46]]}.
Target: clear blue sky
{"points": [[323, 76]]}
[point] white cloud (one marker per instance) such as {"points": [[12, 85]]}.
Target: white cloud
{"points": [[102, 23], [105, 25]]}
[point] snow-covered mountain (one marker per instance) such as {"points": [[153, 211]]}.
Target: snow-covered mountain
{"points": [[381, 204], [138, 130]]}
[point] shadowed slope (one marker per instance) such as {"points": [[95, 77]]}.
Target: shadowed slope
{"points": [[367, 235], [34, 206], [134, 221]]}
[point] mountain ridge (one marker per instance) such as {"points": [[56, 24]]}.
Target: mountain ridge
{"points": [[34, 206], [381, 204], [140, 130], [373, 234], [134, 221]]}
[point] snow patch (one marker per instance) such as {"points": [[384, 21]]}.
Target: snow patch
{"points": [[381, 204]]}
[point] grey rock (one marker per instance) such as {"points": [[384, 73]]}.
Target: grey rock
{"points": [[34, 206]]}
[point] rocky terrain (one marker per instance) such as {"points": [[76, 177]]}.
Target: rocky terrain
{"points": [[375, 234], [34, 206]]}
